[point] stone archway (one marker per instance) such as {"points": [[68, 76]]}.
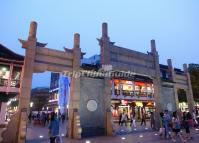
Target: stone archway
{"points": [[38, 58]]}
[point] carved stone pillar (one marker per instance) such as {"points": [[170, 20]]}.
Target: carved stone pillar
{"points": [[104, 43], [74, 88], [107, 105], [172, 78], [157, 85], [189, 92], [26, 82]]}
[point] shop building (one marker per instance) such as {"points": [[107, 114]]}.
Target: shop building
{"points": [[39, 98], [10, 74], [59, 93]]}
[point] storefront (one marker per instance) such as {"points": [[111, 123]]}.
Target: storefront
{"points": [[133, 88], [10, 73], [132, 95]]}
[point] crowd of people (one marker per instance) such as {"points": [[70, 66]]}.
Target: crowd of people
{"points": [[52, 120], [124, 118], [42, 118], [173, 124]]}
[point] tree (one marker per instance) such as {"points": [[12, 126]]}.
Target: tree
{"points": [[182, 95], [4, 96], [194, 75], [39, 102]]}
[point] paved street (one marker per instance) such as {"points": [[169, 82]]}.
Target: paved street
{"points": [[37, 134]]}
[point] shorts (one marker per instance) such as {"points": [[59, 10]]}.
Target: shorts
{"points": [[176, 130], [187, 130]]}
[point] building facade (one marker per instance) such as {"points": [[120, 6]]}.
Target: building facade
{"points": [[39, 98], [10, 73]]}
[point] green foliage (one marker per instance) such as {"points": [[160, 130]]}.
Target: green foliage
{"points": [[39, 102], [194, 75], [182, 95], [4, 97]]}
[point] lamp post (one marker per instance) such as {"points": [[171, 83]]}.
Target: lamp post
{"points": [[31, 104]]}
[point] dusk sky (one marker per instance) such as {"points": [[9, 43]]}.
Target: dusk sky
{"points": [[174, 24]]}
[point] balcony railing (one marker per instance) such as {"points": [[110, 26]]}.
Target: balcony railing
{"points": [[13, 83], [133, 95], [3, 82]]}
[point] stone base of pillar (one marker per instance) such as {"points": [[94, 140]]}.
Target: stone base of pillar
{"points": [[10, 134], [74, 126], [109, 125]]}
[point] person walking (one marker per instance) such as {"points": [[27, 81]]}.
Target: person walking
{"points": [[194, 118], [188, 122], [132, 119], [167, 120], [161, 131], [124, 118], [30, 117], [143, 117], [53, 128], [152, 119], [176, 128], [120, 119]]}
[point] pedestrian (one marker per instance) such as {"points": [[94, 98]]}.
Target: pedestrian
{"points": [[143, 117], [152, 119], [188, 122], [63, 117], [161, 131], [53, 128], [30, 117], [194, 118], [167, 120], [47, 118], [124, 118], [120, 119], [176, 128], [132, 119]]}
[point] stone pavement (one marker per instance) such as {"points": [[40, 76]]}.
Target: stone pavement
{"points": [[38, 134]]}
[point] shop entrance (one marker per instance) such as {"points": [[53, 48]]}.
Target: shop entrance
{"points": [[135, 112]]}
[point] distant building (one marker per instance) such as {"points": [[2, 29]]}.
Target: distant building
{"points": [[40, 92], [92, 63], [41, 95], [194, 74], [10, 74], [193, 66], [53, 92]]}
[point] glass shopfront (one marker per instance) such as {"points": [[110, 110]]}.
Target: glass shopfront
{"points": [[129, 96], [128, 106], [133, 88]]}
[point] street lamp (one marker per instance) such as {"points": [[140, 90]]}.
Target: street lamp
{"points": [[31, 104]]}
